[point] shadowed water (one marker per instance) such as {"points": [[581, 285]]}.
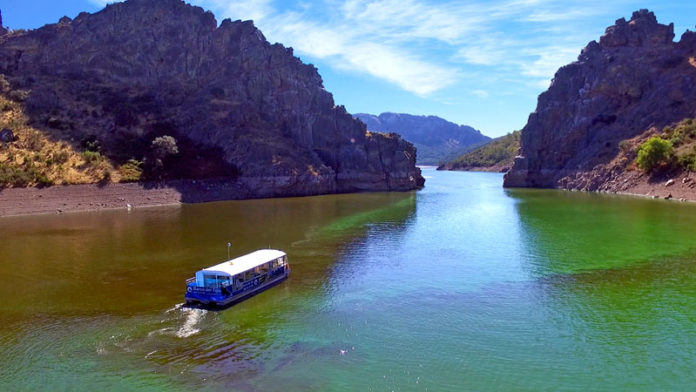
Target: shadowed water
{"points": [[460, 286]]}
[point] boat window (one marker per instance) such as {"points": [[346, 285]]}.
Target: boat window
{"points": [[216, 280], [210, 280]]}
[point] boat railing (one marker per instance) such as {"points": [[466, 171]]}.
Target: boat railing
{"points": [[245, 285]]}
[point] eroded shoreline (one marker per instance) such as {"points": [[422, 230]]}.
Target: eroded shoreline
{"points": [[95, 197]]}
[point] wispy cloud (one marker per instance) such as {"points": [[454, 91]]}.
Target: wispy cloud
{"points": [[480, 93], [350, 50], [102, 3], [255, 10], [423, 46]]}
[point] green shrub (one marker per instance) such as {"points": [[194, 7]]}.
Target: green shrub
{"points": [[688, 162], [676, 140], [22, 176], [41, 179], [14, 176], [131, 171], [653, 153], [92, 156]]}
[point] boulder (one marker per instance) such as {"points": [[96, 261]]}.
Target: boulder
{"points": [[6, 135]]}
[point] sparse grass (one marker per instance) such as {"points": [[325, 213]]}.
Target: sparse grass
{"points": [[35, 160]]}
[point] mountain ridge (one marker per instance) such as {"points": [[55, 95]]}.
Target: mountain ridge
{"points": [[436, 139]]}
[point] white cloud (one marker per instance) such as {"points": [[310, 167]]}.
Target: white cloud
{"points": [[548, 62], [423, 46], [103, 3], [255, 10], [348, 50]]}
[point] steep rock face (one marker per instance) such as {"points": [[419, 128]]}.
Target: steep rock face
{"points": [[635, 78], [2, 29], [144, 68], [437, 140]]}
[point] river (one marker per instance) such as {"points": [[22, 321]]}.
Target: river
{"points": [[460, 286]]}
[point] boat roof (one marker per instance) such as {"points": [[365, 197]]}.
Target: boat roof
{"points": [[246, 262]]}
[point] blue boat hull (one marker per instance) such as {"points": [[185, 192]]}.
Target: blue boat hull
{"points": [[217, 298]]}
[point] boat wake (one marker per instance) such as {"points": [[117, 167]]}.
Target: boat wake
{"points": [[192, 318]]}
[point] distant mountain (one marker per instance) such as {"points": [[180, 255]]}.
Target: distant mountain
{"points": [[437, 140], [496, 156]]}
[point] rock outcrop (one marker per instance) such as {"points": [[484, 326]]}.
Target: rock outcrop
{"points": [[2, 29], [634, 79], [145, 68], [436, 139]]}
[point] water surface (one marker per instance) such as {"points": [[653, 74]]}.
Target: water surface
{"points": [[460, 286]]}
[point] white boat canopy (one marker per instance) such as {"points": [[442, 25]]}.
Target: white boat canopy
{"points": [[244, 263]]}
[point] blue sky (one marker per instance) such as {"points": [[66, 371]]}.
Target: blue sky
{"points": [[480, 63]]}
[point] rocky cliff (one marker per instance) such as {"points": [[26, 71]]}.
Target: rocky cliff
{"points": [[236, 105], [436, 139], [635, 78]]}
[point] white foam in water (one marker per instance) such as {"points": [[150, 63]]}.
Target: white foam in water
{"points": [[175, 307], [193, 316], [160, 331]]}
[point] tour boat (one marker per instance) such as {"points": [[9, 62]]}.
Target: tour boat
{"points": [[237, 279]]}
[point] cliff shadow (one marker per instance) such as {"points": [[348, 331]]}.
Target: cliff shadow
{"points": [[76, 131]]}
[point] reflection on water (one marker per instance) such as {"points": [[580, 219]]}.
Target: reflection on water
{"points": [[460, 286], [568, 232], [107, 274]]}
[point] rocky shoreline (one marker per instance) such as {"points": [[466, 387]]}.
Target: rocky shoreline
{"points": [[497, 168], [96, 197]]}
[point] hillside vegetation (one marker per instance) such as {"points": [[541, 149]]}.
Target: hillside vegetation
{"points": [[673, 148], [498, 155], [33, 159]]}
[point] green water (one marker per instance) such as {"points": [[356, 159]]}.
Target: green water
{"points": [[460, 286]]}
